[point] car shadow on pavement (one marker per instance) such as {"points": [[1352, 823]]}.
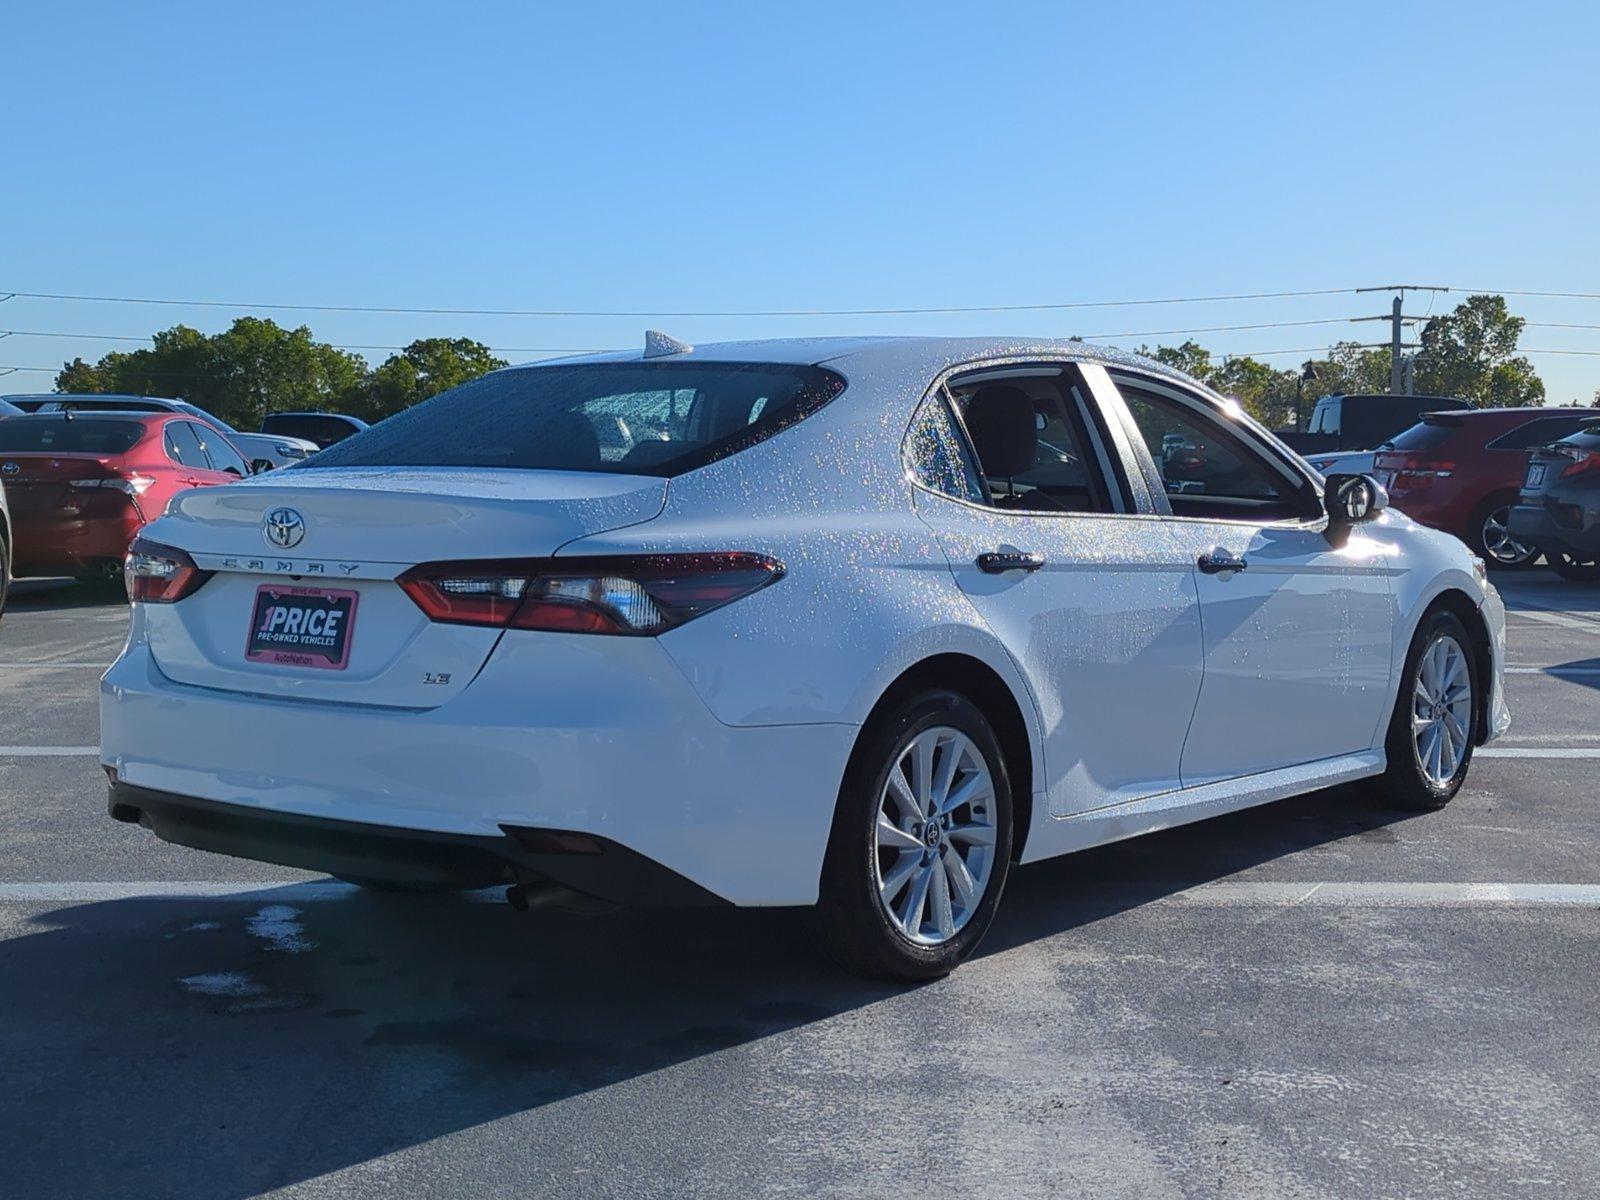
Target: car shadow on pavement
{"points": [[221, 1049], [60, 595]]}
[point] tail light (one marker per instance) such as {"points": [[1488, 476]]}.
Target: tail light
{"points": [[132, 485], [642, 594], [157, 574], [1579, 460]]}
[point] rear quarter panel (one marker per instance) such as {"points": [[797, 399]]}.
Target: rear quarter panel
{"points": [[867, 592]]}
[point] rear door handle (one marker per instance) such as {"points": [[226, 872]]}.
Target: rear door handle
{"points": [[998, 562], [1218, 561]]}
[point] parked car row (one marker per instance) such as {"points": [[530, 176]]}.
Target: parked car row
{"points": [[81, 475]]}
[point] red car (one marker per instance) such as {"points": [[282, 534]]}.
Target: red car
{"points": [[1462, 471], [81, 487]]}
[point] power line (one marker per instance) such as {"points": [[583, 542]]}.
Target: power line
{"points": [[649, 313], [128, 337]]}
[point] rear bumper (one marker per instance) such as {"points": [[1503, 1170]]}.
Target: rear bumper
{"points": [[600, 736], [594, 867], [1537, 524], [54, 544]]}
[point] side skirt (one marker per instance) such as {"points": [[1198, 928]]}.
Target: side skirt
{"points": [[1080, 831]]}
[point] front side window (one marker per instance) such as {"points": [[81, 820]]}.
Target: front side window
{"points": [[222, 456], [1205, 467], [619, 418]]}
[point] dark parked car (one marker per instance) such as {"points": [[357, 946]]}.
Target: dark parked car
{"points": [[1460, 472], [1362, 422], [81, 487], [1559, 509], [322, 428]]}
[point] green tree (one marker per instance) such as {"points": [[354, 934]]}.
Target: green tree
{"points": [[425, 368], [252, 368], [1472, 353]]}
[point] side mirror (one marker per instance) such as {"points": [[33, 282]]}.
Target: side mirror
{"points": [[1352, 499], [260, 466]]}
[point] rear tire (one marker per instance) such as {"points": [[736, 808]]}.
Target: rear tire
{"points": [[1435, 720], [1490, 537], [1570, 567], [921, 842]]}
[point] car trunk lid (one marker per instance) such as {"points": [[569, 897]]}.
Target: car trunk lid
{"points": [[336, 539]]}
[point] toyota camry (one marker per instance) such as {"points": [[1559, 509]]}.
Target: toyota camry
{"points": [[852, 624]]}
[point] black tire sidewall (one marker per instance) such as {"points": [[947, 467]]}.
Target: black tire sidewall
{"points": [[1407, 785], [855, 928], [1570, 569]]}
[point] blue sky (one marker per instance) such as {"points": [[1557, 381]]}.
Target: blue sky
{"points": [[817, 156]]}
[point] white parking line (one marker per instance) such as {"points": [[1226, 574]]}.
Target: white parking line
{"points": [[1388, 895], [1332, 894], [1537, 752], [1549, 617], [48, 751], [1558, 672], [35, 666]]}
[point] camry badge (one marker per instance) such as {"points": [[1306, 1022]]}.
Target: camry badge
{"points": [[283, 528]]}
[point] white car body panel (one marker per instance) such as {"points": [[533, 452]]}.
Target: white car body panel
{"points": [[1297, 649], [717, 749]]}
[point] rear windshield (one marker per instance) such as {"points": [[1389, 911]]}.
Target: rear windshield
{"points": [[1424, 435], [60, 435], [622, 418]]}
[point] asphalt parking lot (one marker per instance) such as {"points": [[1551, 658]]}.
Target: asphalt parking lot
{"points": [[1317, 998]]}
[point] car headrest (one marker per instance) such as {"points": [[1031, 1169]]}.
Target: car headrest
{"points": [[1001, 421], [570, 441]]}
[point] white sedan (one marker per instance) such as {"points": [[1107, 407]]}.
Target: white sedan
{"points": [[856, 624]]}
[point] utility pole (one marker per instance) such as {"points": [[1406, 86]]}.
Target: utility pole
{"points": [[1397, 319]]}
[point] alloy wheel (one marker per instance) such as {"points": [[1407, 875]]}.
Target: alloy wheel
{"points": [[935, 835], [1498, 542], [1441, 709]]}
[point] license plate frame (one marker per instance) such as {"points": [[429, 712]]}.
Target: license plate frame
{"points": [[1534, 478], [274, 635]]}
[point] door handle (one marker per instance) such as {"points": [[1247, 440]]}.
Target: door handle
{"points": [[1218, 561], [998, 562]]}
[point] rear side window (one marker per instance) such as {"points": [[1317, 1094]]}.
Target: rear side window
{"points": [[183, 447], [619, 418], [63, 435], [936, 455], [1538, 433]]}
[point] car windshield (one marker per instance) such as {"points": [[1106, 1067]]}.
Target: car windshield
{"points": [[64, 435], [622, 418]]}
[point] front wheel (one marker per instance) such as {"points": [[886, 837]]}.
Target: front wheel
{"points": [[1569, 566], [921, 842], [1435, 718]]}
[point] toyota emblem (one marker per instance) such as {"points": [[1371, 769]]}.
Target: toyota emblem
{"points": [[283, 528]]}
